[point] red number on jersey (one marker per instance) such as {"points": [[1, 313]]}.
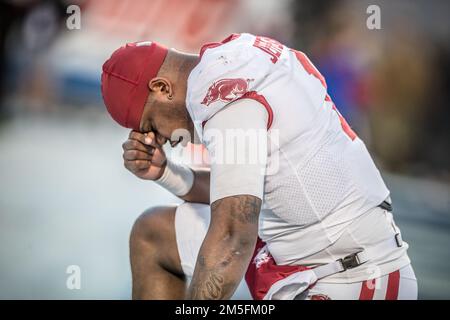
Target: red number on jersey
{"points": [[309, 67]]}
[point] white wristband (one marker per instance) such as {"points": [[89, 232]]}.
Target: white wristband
{"points": [[176, 178]]}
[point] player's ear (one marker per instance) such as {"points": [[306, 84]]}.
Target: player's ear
{"points": [[161, 86]]}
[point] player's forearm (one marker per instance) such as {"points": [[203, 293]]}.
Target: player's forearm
{"points": [[220, 267], [227, 249], [200, 188]]}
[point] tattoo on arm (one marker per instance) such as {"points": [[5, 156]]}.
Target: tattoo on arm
{"points": [[220, 264], [243, 208], [210, 289]]}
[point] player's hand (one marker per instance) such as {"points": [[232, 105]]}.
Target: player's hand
{"points": [[143, 156]]}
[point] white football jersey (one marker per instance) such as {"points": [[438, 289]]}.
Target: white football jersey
{"points": [[324, 177]]}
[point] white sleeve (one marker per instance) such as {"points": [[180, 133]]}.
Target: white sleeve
{"points": [[236, 139]]}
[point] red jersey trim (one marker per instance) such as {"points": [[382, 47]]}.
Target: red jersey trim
{"points": [[393, 284], [257, 97], [216, 44], [367, 290], [261, 99]]}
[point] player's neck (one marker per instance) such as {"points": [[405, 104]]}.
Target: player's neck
{"points": [[188, 63]]}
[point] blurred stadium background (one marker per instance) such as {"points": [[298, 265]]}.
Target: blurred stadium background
{"points": [[65, 198]]}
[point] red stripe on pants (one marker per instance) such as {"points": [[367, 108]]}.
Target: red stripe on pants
{"points": [[392, 287], [367, 290]]}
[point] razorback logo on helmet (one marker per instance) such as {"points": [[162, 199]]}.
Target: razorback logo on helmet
{"points": [[226, 90]]}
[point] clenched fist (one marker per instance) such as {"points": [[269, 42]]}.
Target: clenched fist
{"points": [[143, 156]]}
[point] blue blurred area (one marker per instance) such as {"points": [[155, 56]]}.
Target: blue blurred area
{"points": [[341, 80], [80, 89]]}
